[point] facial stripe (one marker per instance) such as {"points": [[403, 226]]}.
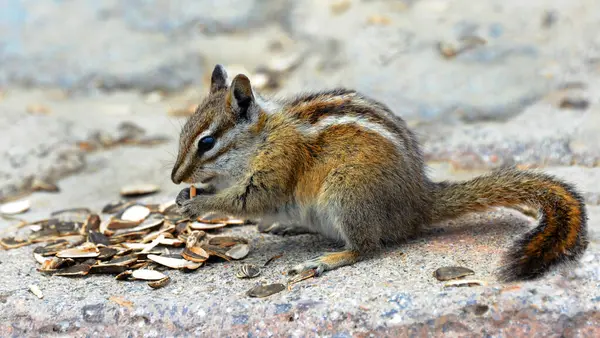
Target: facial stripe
{"points": [[224, 149], [189, 142]]}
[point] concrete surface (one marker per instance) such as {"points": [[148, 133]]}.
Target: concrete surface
{"points": [[393, 294], [71, 69]]}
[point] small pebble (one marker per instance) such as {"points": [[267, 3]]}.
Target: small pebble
{"points": [[36, 291], [574, 103]]}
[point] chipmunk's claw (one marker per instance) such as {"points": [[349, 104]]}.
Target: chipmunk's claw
{"points": [[312, 264]]}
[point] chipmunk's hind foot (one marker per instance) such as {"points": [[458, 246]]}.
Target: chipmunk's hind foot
{"points": [[327, 262]]}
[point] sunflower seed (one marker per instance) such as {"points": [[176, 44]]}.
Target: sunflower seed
{"points": [[135, 213], [465, 282], [195, 254], [139, 189], [166, 228], [55, 263], [92, 223], [116, 207], [74, 271], [122, 260], [98, 238], [12, 243], [164, 207], [159, 283], [125, 275], [238, 251], [109, 269], [40, 259], [77, 215], [116, 224], [235, 221], [146, 274], [215, 218], [107, 253], [136, 246], [52, 248], [206, 226], [151, 222], [59, 263], [247, 271], [452, 272], [154, 243], [130, 236], [83, 251], [104, 227], [139, 265], [216, 251], [194, 238], [13, 208], [171, 242], [174, 263], [261, 291], [66, 228]]}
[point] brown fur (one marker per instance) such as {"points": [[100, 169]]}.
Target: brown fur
{"points": [[344, 165], [560, 235]]}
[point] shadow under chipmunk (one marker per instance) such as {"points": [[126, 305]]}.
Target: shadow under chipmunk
{"points": [[488, 235]]}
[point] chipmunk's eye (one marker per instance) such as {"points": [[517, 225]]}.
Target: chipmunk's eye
{"points": [[205, 144]]}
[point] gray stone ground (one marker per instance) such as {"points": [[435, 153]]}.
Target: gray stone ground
{"points": [[92, 65]]}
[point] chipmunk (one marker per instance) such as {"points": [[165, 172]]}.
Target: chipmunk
{"points": [[343, 165]]}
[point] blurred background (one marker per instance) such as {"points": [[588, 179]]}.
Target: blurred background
{"points": [[484, 83]]}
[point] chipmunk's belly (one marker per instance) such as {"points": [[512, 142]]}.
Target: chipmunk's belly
{"points": [[316, 221], [307, 217]]}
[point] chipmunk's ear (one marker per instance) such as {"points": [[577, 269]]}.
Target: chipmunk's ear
{"points": [[218, 80], [241, 97]]}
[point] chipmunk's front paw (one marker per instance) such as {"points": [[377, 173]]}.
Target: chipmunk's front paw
{"points": [[194, 207], [185, 194], [326, 262], [189, 209], [182, 197]]}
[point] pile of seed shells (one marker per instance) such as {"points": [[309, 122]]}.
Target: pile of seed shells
{"points": [[130, 240]]}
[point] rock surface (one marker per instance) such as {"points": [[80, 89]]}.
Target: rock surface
{"points": [[71, 78]]}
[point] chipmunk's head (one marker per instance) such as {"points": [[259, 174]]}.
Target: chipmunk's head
{"points": [[218, 139]]}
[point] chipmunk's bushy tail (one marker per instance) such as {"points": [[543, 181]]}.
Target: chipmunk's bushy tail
{"points": [[561, 235]]}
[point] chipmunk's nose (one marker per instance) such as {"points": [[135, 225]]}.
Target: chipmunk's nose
{"points": [[174, 177]]}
